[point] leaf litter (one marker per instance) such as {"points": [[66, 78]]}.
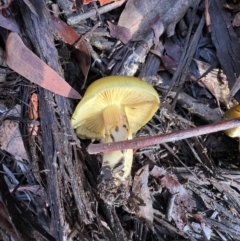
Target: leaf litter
{"points": [[182, 203], [24, 62], [77, 44], [10, 136], [213, 82], [187, 189]]}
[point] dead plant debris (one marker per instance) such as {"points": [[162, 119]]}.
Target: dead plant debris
{"points": [[186, 189]]}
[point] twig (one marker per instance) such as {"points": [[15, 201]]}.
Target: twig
{"points": [[162, 138], [76, 19], [207, 16], [166, 146], [188, 59], [166, 224], [170, 205], [182, 62]]}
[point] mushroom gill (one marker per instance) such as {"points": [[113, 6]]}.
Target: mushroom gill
{"points": [[111, 109]]}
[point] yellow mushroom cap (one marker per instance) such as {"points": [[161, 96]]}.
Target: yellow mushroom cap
{"points": [[139, 99], [230, 114]]}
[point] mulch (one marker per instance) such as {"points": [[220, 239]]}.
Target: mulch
{"points": [[183, 190]]}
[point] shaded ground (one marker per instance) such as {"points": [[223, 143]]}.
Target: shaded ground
{"points": [[183, 190]]}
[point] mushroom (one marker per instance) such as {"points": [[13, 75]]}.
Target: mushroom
{"points": [[111, 109], [230, 114]]}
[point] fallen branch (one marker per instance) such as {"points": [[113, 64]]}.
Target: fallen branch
{"points": [[163, 138], [78, 18]]}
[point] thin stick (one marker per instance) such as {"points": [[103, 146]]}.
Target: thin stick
{"points": [[76, 19], [158, 139], [171, 200]]}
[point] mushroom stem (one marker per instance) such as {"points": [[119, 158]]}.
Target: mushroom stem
{"points": [[117, 129]]}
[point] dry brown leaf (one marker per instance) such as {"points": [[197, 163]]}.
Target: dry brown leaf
{"points": [[168, 63], [9, 23], [102, 2], [236, 20], [218, 87], [78, 44], [234, 6], [85, 2], [26, 63], [64, 31], [33, 107], [207, 16], [141, 191], [5, 4], [182, 202], [158, 29], [83, 57], [6, 223], [11, 138], [173, 50], [33, 114], [118, 32], [36, 189], [235, 88]]}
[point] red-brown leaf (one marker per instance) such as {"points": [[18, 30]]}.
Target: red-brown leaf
{"points": [[83, 57], [118, 32], [102, 2], [33, 114], [64, 31], [78, 44], [168, 63], [85, 2], [33, 107], [26, 63]]}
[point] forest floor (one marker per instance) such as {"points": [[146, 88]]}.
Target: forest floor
{"points": [[184, 183]]}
